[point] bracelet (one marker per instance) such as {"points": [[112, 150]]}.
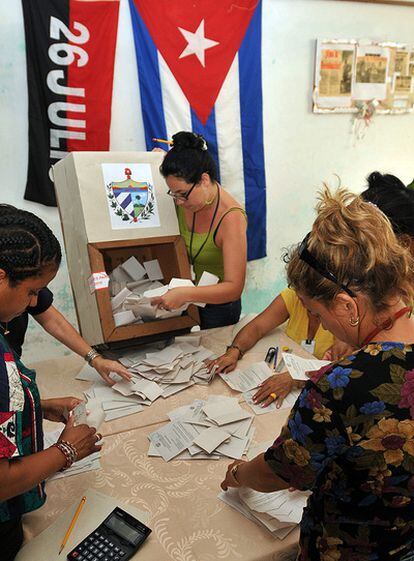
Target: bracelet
{"points": [[69, 451], [91, 355], [233, 472], [233, 346]]}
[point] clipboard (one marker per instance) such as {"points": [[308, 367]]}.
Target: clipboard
{"points": [[97, 507]]}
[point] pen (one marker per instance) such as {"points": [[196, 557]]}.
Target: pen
{"points": [[275, 358], [72, 524], [282, 362], [163, 141]]}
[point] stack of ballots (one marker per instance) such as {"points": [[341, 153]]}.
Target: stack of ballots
{"points": [[154, 374], [279, 512], [134, 285], [204, 430]]}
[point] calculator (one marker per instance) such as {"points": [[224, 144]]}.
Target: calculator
{"points": [[116, 539]]}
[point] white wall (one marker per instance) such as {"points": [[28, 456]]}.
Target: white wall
{"points": [[301, 148]]}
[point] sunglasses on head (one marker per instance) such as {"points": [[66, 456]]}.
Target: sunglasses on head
{"points": [[181, 196], [306, 256]]}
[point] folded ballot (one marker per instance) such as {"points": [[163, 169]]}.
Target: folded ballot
{"points": [[194, 430], [133, 285], [249, 378], [279, 512], [299, 366], [156, 373]]}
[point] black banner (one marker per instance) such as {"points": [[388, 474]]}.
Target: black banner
{"points": [[70, 51], [40, 66]]}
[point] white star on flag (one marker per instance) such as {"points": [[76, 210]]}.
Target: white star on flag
{"points": [[197, 43]]}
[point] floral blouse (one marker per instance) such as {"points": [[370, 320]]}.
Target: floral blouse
{"points": [[350, 440]]}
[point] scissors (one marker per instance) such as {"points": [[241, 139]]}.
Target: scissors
{"points": [[270, 354]]}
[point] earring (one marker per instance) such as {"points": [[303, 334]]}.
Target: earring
{"points": [[354, 322]]}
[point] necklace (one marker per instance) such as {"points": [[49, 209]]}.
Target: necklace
{"points": [[4, 328], [386, 325]]}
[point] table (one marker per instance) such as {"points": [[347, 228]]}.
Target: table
{"points": [[188, 522]]}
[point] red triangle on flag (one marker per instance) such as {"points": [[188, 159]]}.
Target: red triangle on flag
{"points": [[198, 40]]}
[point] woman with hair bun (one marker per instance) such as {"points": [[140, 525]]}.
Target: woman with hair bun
{"points": [[29, 259], [349, 439], [213, 225], [395, 200]]}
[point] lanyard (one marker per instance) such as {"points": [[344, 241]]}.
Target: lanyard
{"points": [[192, 259], [385, 325]]}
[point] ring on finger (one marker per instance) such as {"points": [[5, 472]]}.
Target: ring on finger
{"points": [[273, 395]]}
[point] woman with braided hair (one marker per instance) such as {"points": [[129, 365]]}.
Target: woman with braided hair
{"points": [[29, 259], [54, 323]]}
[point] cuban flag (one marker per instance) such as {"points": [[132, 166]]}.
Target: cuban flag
{"points": [[199, 69]]}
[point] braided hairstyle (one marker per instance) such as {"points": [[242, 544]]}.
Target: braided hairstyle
{"points": [[189, 158], [27, 245]]}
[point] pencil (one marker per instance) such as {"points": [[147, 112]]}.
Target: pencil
{"points": [[72, 524], [163, 141]]}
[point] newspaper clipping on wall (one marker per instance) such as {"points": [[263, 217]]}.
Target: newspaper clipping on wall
{"points": [[350, 75]]}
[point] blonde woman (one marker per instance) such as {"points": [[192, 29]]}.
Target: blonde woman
{"points": [[350, 436]]}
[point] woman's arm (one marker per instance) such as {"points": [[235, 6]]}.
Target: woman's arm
{"points": [[273, 316], [58, 327], [21, 474], [255, 474]]}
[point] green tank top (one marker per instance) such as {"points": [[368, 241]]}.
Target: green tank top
{"points": [[211, 257]]}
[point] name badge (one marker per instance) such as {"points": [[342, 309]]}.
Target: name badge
{"points": [[192, 273], [308, 345]]}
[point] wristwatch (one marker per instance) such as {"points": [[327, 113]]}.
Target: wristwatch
{"points": [[233, 346]]}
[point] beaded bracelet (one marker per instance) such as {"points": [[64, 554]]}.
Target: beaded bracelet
{"points": [[69, 451]]}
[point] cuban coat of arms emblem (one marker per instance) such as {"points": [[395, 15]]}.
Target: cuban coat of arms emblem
{"points": [[131, 198]]}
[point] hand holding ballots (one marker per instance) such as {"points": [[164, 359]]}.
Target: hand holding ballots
{"points": [[279, 512], [154, 373], [136, 289]]}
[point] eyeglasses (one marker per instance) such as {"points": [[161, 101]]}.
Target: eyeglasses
{"points": [[306, 256], [179, 196]]}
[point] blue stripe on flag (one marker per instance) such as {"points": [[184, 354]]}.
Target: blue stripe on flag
{"points": [[126, 201], [209, 133], [251, 116], [149, 80]]}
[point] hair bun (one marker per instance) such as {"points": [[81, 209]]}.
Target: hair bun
{"points": [[184, 140], [377, 180]]}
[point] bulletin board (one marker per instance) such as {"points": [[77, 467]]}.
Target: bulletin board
{"points": [[350, 72]]}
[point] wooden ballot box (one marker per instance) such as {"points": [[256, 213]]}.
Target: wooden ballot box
{"points": [[114, 205]]}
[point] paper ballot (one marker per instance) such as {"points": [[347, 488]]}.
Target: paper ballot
{"points": [[249, 378], [298, 366], [172, 439], [210, 438], [279, 512]]}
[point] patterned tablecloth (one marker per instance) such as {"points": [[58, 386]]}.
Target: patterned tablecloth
{"points": [[188, 522]]}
